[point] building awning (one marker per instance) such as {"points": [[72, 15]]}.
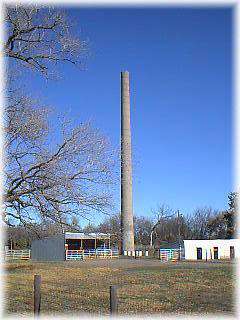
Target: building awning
{"points": [[81, 235]]}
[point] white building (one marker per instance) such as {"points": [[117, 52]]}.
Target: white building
{"points": [[211, 249]]}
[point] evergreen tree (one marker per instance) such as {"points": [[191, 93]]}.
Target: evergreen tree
{"points": [[231, 214]]}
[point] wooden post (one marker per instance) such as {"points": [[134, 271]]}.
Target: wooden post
{"points": [[113, 300], [95, 247], [37, 294]]}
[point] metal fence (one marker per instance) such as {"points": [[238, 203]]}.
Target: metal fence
{"points": [[17, 254], [169, 254], [91, 253]]}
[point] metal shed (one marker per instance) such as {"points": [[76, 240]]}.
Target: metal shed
{"points": [[49, 249], [54, 248]]}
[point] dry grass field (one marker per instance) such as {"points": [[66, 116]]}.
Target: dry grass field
{"points": [[144, 286]]}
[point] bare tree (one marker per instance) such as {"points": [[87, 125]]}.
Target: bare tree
{"points": [[217, 227], [199, 220], [162, 215], [41, 38], [142, 228], [53, 179], [112, 225], [20, 237], [49, 176], [172, 226]]}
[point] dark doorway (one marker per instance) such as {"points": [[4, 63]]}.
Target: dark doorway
{"points": [[232, 252], [199, 253], [215, 253], [89, 244], [73, 244]]}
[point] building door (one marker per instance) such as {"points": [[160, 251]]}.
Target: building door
{"points": [[199, 253], [215, 253], [232, 252]]}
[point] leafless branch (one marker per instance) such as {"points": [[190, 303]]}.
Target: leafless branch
{"points": [[41, 37]]}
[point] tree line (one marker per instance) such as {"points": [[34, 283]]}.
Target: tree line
{"points": [[164, 225]]}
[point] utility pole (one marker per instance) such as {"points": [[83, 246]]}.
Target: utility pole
{"points": [[179, 234]]}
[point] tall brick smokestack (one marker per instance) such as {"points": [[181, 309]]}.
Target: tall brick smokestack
{"points": [[126, 167]]}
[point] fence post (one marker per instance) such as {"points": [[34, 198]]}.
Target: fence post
{"points": [[37, 294], [113, 300]]}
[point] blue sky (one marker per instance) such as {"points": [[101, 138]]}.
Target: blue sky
{"points": [[180, 64]]}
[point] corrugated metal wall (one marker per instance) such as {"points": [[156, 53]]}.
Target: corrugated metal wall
{"points": [[49, 249]]}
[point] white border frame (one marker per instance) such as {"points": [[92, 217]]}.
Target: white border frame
{"points": [[236, 105]]}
